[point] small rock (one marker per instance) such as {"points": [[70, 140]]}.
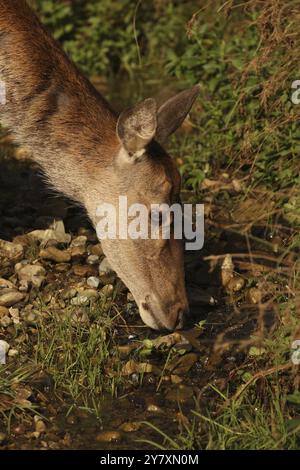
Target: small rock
{"points": [[5, 284], [93, 259], [4, 346], [153, 408], [93, 281], [3, 312], [69, 293], [55, 232], [79, 316], [107, 290], [254, 295], [78, 252], [109, 436], [14, 312], [9, 299], [180, 394], [13, 352], [56, 255], [255, 351], [79, 241], [96, 250], [11, 250], [30, 273], [236, 284], [23, 286], [130, 426], [182, 365], [132, 367], [105, 267], [85, 297], [62, 267], [108, 278], [227, 270], [83, 270], [5, 321], [40, 426], [126, 349], [130, 297]]}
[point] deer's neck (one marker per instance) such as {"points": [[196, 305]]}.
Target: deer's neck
{"points": [[50, 107]]}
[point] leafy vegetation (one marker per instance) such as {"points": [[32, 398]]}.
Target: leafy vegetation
{"points": [[239, 152]]}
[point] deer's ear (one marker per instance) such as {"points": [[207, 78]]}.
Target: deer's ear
{"points": [[136, 126], [172, 113]]}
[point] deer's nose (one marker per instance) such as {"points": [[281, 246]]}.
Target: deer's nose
{"points": [[169, 318]]}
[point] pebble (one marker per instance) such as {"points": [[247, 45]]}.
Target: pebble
{"points": [[40, 426], [105, 267], [107, 290], [62, 267], [254, 295], [72, 419], [30, 273], [96, 250], [83, 270], [182, 365], [109, 436], [13, 352], [9, 299], [93, 281], [153, 408], [3, 312], [79, 241], [56, 255], [5, 321], [4, 283], [4, 346], [70, 293], [236, 284], [93, 259], [130, 426], [78, 252], [11, 250], [130, 297]]}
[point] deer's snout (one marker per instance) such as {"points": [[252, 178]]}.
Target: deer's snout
{"points": [[159, 317]]}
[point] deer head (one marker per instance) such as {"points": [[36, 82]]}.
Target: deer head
{"points": [[152, 269]]}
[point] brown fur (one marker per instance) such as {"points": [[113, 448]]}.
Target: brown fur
{"points": [[91, 156]]}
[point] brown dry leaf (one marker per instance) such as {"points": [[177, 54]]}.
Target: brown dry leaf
{"points": [[169, 340], [182, 365], [191, 336], [252, 209]]}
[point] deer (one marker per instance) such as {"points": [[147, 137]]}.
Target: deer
{"points": [[93, 155]]}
